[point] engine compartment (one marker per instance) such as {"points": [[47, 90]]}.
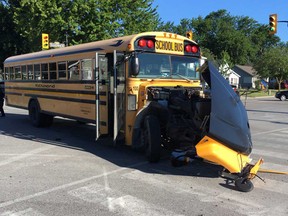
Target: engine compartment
{"points": [[188, 114]]}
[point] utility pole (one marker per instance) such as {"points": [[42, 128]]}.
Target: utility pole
{"points": [[66, 38]]}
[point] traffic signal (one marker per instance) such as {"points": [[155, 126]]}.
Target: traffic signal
{"points": [[273, 24], [45, 41], [189, 35]]}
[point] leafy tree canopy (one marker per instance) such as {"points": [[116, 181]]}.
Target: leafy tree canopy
{"points": [[80, 21], [273, 63], [241, 37], [72, 21]]}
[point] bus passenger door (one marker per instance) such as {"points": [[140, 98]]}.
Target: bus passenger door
{"points": [[119, 95], [102, 94]]}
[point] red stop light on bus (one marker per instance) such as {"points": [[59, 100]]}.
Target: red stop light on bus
{"points": [[45, 41], [273, 24]]}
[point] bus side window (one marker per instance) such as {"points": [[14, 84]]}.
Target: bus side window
{"points": [[62, 70], [18, 74], [37, 72], [44, 71], [11, 73], [24, 72], [30, 72], [52, 71], [73, 68], [103, 68], [5, 73], [86, 69]]}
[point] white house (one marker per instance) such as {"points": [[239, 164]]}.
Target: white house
{"points": [[230, 75]]}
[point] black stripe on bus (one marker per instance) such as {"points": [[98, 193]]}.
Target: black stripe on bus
{"points": [[13, 93], [102, 123], [57, 90], [53, 81], [102, 93], [61, 98], [103, 103], [53, 90]]}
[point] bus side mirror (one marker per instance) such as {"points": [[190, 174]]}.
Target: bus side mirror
{"points": [[135, 66]]}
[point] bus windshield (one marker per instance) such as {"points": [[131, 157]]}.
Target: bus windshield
{"points": [[167, 66]]}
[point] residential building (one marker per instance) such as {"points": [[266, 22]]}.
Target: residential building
{"points": [[247, 76]]}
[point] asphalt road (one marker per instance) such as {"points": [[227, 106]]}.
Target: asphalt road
{"points": [[62, 171]]}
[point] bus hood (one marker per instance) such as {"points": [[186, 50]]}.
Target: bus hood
{"points": [[228, 118]]}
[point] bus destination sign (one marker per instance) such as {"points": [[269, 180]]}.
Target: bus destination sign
{"points": [[170, 46]]}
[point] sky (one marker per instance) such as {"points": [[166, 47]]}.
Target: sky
{"points": [[259, 10]]}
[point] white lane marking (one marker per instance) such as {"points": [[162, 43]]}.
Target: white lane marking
{"points": [[239, 202], [107, 188], [131, 206], [37, 155], [116, 202], [270, 153], [25, 155], [275, 167], [267, 132], [26, 212], [273, 144], [94, 193], [61, 187]]}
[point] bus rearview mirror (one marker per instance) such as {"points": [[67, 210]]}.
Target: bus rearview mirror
{"points": [[135, 66]]}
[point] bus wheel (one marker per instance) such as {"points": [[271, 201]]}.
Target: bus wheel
{"points": [[37, 118], [152, 138], [34, 113]]}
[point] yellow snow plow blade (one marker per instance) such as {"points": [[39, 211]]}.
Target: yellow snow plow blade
{"points": [[216, 152]]}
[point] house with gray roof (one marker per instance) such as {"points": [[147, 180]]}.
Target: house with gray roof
{"points": [[247, 77]]}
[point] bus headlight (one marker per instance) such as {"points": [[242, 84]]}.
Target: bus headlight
{"points": [[131, 102]]}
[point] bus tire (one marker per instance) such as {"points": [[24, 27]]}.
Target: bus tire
{"points": [[152, 138], [37, 118]]}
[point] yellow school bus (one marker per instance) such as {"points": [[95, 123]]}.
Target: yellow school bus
{"points": [[123, 85]]}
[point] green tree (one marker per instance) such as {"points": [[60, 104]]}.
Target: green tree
{"points": [[79, 21], [241, 37], [273, 63], [11, 43]]}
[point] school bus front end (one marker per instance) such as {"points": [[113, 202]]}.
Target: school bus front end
{"points": [[173, 112], [162, 79]]}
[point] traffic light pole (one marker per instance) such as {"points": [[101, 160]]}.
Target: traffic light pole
{"points": [[283, 22]]}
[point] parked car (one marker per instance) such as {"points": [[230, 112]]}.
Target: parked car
{"points": [[282, 95]]}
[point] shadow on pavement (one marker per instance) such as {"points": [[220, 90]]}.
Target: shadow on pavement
{"points": [[81, 137]]}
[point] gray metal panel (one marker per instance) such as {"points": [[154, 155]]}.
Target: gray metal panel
{"points": [[228, 118]]}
